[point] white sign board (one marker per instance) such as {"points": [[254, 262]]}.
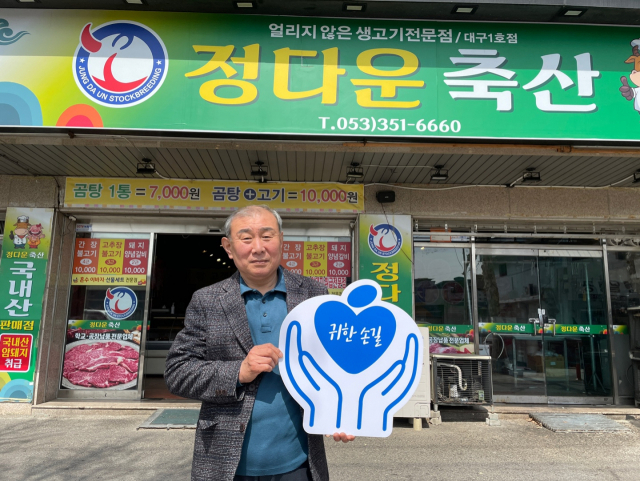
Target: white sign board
{"points": [[350, 361]]}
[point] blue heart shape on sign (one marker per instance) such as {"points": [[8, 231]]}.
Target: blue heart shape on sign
{"points": [[353, 341]]}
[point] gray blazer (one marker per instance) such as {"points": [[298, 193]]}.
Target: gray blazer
{"points": [[204, 363]]}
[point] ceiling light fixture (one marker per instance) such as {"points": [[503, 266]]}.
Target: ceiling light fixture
{"points": [[260, 170], [146, 167], [531, 176], [135, 2], [355, 171], [354, 7], [28, 1], [572, 12], [636, 176], [465, 9], [441, 174], [245, 4]]}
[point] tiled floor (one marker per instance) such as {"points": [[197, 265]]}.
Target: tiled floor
{"points": [[155, 388]]}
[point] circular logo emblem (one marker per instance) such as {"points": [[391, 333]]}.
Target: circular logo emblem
{"points": [[338, 265], [384, 240], [120, 64], [135, 262], [85, 262], [120, 302], [292, 263]]}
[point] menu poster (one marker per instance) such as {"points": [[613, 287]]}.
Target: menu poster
{"points": [[122, 262], [326, 262], [103, 335], [103, 348]]}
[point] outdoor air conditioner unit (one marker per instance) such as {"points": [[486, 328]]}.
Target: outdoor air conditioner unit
{"points": [[419, 406], [461, 380]]}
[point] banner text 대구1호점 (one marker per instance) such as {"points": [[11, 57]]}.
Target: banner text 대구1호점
{"points": [[333, 77]]}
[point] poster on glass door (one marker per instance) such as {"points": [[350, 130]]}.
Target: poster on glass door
{"points": [[329, 263], [106, 313], [110, 262]]}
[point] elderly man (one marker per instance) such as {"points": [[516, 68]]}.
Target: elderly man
{"points": [[250, 428]]}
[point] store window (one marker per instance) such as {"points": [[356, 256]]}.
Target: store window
{"points": [[543, 317], [624, 282], [106, 312], [443, 298]]}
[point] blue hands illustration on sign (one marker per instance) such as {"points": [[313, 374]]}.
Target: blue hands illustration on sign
{"points": [[329, 348], [302, 355], [403, 364]]}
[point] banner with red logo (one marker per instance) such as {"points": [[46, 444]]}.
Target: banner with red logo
{"points": [[348, 77], [386, 256]]}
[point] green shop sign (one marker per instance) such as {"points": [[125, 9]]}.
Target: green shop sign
{"points": [[253, 74], [23, 276], [549, 329], [505, 328], [446, 329], [583, 329], [385, 255]]}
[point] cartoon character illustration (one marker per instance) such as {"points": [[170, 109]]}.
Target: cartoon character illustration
{"points": [[628, 92], [19, 234], [35, 234]]}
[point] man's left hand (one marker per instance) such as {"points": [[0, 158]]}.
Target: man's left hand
{"points": [[345, 438]]}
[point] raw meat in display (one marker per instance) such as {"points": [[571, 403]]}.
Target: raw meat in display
{"points": [[101, 365]]}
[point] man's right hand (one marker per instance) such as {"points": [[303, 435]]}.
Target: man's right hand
{"points": [[262, 358]]}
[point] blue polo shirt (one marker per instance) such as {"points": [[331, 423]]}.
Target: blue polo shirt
{"points": [[275, 441]]}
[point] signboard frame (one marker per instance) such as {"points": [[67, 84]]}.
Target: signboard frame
{"points": [[527, 76]]}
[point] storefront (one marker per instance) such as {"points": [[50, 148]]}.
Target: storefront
{"points": [[553, 312], [358, 131], [133, 278]]}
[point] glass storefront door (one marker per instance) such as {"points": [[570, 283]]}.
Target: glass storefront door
{"points": [[543, 315]]}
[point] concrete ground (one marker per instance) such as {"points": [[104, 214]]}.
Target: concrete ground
{"points": [[90, 447]]}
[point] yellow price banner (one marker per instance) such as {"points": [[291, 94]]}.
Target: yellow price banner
{"points": [[197, 195]]}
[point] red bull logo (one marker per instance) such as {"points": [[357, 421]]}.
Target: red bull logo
{"points": [[120, 64], [120, 302], [384, 240]]}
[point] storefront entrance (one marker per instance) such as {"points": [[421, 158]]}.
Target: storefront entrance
{"points": [[131, 285], [182, 264], [543, 314]]}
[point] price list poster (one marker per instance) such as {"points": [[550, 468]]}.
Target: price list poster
{"points": [[326, 262]]}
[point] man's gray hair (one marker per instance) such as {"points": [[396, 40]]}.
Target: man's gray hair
{"points": [[249, 211]]}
